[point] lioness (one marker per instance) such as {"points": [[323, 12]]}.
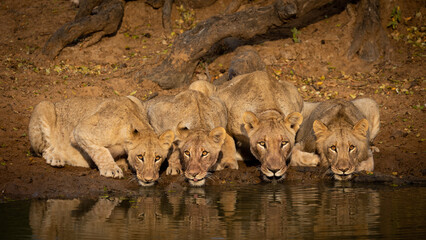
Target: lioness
{"points": [[340, 132], [198, 120], [83, 131], [263, 115]]}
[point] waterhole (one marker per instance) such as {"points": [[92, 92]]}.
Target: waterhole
{"points": [[280, 211]]}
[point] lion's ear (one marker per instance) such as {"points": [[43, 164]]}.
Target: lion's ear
{"points": [[218, 135], [294, 120], [182, 131], [166, 139], [361, 127], [319, 128], [250, 121]]}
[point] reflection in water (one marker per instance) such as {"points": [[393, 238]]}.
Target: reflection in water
{"points": [[256, 212]]}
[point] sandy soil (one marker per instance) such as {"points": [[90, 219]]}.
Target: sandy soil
{"points": [[317, 66]]}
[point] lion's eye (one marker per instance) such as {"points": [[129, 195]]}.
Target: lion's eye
{"points": [[284, 143], [140, 157], [351, 147], [262, 144], [333, 148], [157, 158], [187, 153], [204, 153]]}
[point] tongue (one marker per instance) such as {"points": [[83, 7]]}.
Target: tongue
{"points": [[195, 180]]}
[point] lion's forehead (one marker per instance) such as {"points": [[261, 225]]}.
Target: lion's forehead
{"points": [[277, 133], [197, 147], [149, 148], [344, 136], [199, 141]]}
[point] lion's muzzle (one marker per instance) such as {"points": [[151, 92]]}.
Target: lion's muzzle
{"points": [[274, 172], [147, 179], [343, 172]]}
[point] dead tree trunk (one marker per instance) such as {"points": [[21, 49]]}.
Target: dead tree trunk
{"points": [[96, 17], [369, 38], [176, 70]]}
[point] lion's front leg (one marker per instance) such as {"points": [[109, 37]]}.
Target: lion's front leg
{"points": [[229, 155], [367, 165], [302, 158], [175, 166], [88, 139], [104, 161]]}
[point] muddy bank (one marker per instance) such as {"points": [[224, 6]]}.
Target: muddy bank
{"points": [[39, 180]]}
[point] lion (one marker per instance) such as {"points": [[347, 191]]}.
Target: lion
{"points": [[89, 132], [198, 120], [338, 134], [264, 115]]}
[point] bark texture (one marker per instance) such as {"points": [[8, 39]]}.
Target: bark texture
{"points": [[274, 21], [96, 18], [370, 40]]}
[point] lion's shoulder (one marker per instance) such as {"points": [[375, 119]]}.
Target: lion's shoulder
{"points": [[190, 107], [257, 91]]}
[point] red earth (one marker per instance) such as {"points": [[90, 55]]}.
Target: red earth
{"points": [[317, 65]]}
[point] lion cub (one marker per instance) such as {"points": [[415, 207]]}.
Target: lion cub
{"points": [[86, 131], [264, 114], [341, 133], [198, 120]]}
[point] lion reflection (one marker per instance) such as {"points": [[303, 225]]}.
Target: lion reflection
{"points": [[280, 211]]}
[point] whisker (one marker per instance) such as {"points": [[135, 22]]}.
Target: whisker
{"points": [[327, 173], [212, 177], [132, 179]]}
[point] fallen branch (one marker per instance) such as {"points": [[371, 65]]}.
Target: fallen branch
{"points": [[276, 19], [97, 22]]}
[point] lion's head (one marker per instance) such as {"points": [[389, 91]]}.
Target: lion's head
{"points": [[200, 151], [146, 153], [343, 147], [271, 141]]}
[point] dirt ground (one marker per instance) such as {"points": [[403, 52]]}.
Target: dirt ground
{"points": [[318, 66]]}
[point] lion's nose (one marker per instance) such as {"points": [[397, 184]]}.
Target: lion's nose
{"points": [[273, 170], [148, 178], [344, 169]]}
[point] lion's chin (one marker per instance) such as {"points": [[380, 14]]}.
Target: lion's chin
{"points": [[343, 177], [274, 178], [197, 183], [146, 184]]}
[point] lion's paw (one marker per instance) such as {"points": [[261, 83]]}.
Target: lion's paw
{"points": [[113, 172], [173, 170], [230, 163], [304, 159], [313, 160], [56, 162], [53, 159]]}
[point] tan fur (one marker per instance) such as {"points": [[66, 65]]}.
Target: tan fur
{"points": [[93, 131], [263, 111], [196, 118], [341, 133], [203, 87]]}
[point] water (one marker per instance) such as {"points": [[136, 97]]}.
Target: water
{"points": [[282, 211]]}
